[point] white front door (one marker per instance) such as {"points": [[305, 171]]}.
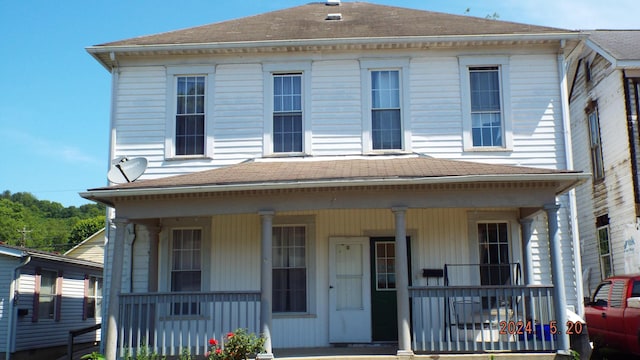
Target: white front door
{"points": [[349, 290]]}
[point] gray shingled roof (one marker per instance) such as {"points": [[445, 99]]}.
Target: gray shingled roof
{"points": [[359, 20], [621, 44], [261, 172]]}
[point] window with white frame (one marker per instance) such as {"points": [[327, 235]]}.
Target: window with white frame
{"points": [[493, 241], [289, 269], [186, 267], [93, 297], [597, 163], [486, 106], [386, 122], [190, 115], [604, 250], [486, 111], [47, 295], [287, 113]]}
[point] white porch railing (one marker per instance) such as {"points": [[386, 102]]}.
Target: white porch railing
{"points": [[478, 319], [168, 323]]}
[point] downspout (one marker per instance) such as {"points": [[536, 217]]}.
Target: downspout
{"points": [[12, 299], [568, 148]]}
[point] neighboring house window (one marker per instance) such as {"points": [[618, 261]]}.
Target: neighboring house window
{"points": [[47, 295], [93, 297], [289, 269], [604, 249], [386, 123], [186, 267], [190, 115], [597, 162], [287, 113], [486, 111], [485, 100]]}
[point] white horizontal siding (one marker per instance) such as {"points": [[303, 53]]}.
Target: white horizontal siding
{"points": [[436, 109], [239, 112], [336, 110]]}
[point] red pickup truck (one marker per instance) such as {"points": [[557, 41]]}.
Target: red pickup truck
{"points": [[613, 314]]}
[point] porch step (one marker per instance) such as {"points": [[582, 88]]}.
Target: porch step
{"points": [[389, 353]]}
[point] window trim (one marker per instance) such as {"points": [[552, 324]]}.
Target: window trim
{"points": [[609, 254], [502, 62], [513, 230], [366, 67], [89, 296], [269, 69], [308, 221], [172, 73], [57, 296], [595, 149]]}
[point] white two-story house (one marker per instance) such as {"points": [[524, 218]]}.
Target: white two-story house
{"points": [[342, 173]]}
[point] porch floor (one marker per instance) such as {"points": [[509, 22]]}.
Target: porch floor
{"points": [[388, 352]]}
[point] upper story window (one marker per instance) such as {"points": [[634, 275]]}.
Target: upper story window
{"points": [[287, 127], [287, 113], [190, 106], [597, 163], [190, 115], [386, 123], [486, 109]]}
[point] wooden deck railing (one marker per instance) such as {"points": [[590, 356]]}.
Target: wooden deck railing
{"points": [[471, 319], [168, 323]]}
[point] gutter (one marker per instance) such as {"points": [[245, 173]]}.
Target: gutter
{"points": [[101, 195], [95, 51], [12, 299]]}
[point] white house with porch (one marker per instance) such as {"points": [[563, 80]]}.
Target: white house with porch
{"points": [[339, 174]]}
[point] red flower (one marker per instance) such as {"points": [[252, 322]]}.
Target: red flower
{"points": [[229, 335], [207, 354], [213, 342], [218, 351]]}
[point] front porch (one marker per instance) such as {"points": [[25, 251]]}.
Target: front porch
{"points": [[315, 254]]}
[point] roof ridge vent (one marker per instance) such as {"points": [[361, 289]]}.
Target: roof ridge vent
{"points": [[335, 16], [332, 2]]}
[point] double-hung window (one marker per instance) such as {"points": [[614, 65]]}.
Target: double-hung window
{"points": [[190, 115], [597, 163], [189, 111], [290, 269], [93, 297], [186, 268], [47, 293], [287, 113], [604, 250], [386, 123], [486, 109]]}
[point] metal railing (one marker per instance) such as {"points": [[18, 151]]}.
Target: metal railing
{"points": [[169, 323], [472, 319]]}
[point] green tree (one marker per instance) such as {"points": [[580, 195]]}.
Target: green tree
{"points": [[85, 228]]}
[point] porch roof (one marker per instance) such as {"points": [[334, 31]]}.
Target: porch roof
{"points": [[263, 174]]}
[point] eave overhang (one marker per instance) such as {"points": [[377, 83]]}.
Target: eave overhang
{"points": [[561, 182], [107, 55]]}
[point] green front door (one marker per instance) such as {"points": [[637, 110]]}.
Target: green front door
{"points": [[384, 309]]}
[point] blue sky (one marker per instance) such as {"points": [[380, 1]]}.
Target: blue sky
{"points": [[54, 99]]}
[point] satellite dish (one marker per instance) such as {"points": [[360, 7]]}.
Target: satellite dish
{"points": [[126, 170]]}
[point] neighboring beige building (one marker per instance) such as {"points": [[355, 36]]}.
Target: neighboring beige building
{"points": [[91, 248]]}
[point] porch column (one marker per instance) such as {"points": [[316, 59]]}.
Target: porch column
{"points": [[402, 282], [266, 282], [115, 284], [557, 272]]}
